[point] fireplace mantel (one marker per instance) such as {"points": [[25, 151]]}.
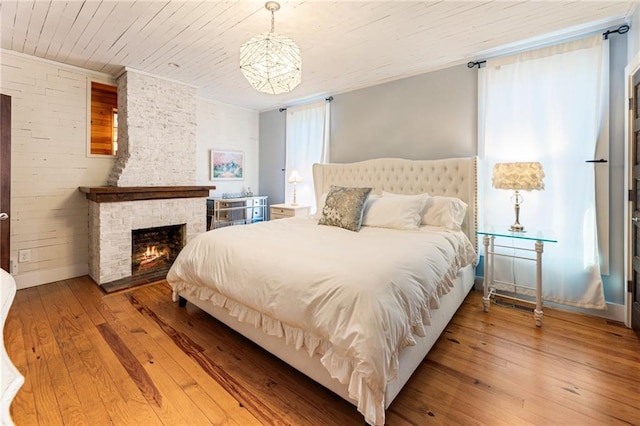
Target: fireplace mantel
{"points": [[112, 194]]}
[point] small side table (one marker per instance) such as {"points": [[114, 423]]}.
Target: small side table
{"points": [[490, 233], [281, 211]]}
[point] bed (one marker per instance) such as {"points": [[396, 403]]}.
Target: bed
{"points": [[355, 311]]}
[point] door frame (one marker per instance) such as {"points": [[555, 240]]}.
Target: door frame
{"points": [[5, 179], [632, 67]]}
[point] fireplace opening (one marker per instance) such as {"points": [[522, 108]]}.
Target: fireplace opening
{"points": [[154, 249]]}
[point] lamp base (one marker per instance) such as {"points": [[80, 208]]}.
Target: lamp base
{"points": [[517, 200], [516, 227]]}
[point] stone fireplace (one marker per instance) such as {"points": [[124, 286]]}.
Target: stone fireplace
{"points": [[152, 184], [112, 224]]}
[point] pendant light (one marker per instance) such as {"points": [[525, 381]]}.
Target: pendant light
{"points": [[271, 62]]}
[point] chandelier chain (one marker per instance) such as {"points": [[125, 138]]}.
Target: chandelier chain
{"points": [[272, 21]]}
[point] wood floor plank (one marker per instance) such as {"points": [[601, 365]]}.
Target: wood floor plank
{"points": [[492, 368], [598, 331], [586, 400], [157, 350], [64, 327], [516, 343], [66, 393], [276, 391], [23, 409], [218, 405], [36, 336], [433, 380], [584, 386], [124, 402], [245, 391], [423, 406], [91, 299]]}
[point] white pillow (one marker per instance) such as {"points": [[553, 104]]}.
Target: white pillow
{"points": [[439, 210], [444, 211], [323, 200], [397, 212]]}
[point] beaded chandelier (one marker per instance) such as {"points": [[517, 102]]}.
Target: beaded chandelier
{"points": [[271, 62]]}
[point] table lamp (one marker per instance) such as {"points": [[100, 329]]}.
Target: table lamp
{"points": [[518, 177], [294, 179]]}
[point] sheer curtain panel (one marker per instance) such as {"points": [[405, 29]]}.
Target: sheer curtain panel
{"points": [[307, 143], [547, 105]]}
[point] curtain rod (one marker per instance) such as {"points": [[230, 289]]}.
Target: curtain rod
{"points": [[622, 29], [329, 99]]}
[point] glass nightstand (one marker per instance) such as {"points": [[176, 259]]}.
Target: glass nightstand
{"points": [[538, 237]]}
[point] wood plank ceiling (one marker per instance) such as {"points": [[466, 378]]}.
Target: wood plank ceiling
{"points": [[345, 45]]}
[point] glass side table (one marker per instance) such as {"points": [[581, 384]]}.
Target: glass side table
{"points": [[538, 237]]}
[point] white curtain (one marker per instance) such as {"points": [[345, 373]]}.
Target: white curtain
{"points": [[546, 105], [307, 143]]}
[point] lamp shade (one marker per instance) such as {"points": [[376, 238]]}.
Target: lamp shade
{"points": [[295, 177], [518, 176]]}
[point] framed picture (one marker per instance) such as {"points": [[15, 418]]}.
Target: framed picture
{"points": [[227, 165]]}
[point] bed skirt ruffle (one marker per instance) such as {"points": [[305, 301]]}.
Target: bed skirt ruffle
{"points": [[368, 393]]}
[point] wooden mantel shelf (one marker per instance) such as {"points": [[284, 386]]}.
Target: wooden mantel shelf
{"points": [[113, 194]]}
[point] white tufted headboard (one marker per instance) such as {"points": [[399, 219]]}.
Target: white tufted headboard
{"points": [[456, 177]]}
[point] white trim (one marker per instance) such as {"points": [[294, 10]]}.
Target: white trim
{"points": [[613, 311], [566, 34], [224, 104], [311, 99], [45, 276], [133, 70], [74, 68], [632, 67]]}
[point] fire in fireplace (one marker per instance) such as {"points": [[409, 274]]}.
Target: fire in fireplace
{"points": [[155, 249]]}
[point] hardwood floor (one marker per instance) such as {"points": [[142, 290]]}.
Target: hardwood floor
{"points": [[135, 357]]}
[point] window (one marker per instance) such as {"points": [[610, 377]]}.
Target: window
{"points": [[307, 142], [104, 119], [550, 105]]}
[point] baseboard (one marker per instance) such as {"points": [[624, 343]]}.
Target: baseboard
{"points": [[614, 311], [45, 276]]}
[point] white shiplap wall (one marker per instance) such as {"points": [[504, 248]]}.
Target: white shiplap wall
{"points": [[49, 163], [49, 215], [222, 126]]}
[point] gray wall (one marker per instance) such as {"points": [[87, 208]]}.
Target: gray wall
{"points": [[434, 115], [428, 116], [614, 288], [272, 155]]}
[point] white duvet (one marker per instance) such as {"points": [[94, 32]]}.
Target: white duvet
{"points": [[356, 298]]}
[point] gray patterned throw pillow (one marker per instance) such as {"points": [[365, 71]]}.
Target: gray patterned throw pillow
{"points": [[344, 207]]}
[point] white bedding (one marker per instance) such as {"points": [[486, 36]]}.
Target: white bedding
{"points": [[356, 297]]}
